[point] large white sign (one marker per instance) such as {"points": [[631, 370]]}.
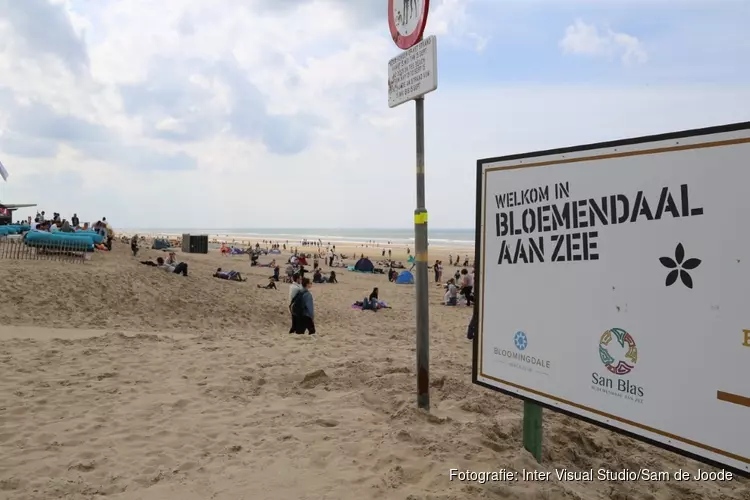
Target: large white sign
{"points": [[413, 73], [615, 285]]}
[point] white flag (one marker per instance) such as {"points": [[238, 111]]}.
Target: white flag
{"points": [[3, 173]]}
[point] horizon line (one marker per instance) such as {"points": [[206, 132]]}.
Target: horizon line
{"points": [[311, 228]]}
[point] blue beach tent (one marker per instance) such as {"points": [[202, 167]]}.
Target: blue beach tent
{"points": [[405, 278]]}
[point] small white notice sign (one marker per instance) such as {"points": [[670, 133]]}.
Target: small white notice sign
{"points": [[413, 73]]}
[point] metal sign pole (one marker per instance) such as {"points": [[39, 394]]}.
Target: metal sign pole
{"points": [[420, 240], [411, 75]]}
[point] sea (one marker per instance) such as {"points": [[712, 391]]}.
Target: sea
{"points": [[436, 237]]}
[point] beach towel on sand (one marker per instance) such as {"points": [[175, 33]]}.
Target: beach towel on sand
{"points": [[381, 305]]}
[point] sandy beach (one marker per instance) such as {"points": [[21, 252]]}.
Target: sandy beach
{"points": [[120, 381]]}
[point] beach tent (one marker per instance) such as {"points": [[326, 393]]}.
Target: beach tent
{"points": [[275, 252], [405, 278], [364, 266], [160, 244]]}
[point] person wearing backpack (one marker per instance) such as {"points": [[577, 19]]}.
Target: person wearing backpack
{"points": [[303, 311]]}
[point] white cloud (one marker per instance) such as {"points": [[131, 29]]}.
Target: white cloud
{"points": [[587, 39], [451, 22], [183, 113]]}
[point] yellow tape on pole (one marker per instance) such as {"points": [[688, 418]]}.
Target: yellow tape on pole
{"points": [[420, 218], [421, 257]]}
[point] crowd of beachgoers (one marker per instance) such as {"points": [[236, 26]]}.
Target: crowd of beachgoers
{"points": [[56, 223], [303, 255]]}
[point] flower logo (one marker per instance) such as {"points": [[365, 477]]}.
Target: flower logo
{"points": [[680, 267], [520, 340]]}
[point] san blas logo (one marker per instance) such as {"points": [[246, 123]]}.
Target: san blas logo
{"points": [[519, 359], [619, 354]]}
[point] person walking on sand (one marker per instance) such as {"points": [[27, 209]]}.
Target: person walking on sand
{"points": [[134, 245], [303, 309], [294, 289], [467, 285]]}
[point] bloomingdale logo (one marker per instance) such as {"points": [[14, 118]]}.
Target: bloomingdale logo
{"points": [[521, 342], [621, 366]]}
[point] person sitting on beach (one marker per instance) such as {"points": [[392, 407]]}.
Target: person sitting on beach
{"points": [[451, 295], [179, 268], [371, 302], [66, 227], [270, 286], [228, 275], [332, 277], [100, 229], [392, 275], [171, 258], [318, 277]]}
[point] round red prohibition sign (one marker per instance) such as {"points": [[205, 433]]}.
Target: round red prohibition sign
{"points": [[407, 20]]}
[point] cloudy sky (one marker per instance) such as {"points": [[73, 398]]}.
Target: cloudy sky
{"points": [[273, 113]]}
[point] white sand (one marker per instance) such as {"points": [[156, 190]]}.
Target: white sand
{"points": [[225, 404]]}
